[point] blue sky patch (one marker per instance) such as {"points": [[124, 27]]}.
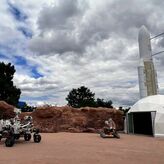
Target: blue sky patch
{"points": [[19, 60], [35, 73], [10, 48], [17, 13], [2, 56], [5, 51], [41, 98], [26, 32], [3, 48]]}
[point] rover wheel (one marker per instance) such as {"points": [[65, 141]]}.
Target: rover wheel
{"points": [[17, 136], [102, 134], [116, 135], [9, 142], [37, 138], [27, 137]]}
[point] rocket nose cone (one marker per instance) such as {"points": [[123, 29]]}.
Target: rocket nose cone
{"points": [[143, 33], [144, 44]]}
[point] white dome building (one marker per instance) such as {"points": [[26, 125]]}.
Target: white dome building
{"points": [[147, 116]]}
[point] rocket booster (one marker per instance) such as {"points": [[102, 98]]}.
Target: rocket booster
{"points": [[144, 44], [146, 72]]}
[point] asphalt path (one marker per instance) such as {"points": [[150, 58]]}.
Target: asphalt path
{"points": [[84, 148]]}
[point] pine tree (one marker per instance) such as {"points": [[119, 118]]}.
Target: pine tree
{"points": [[81, 97], [8, 92]]}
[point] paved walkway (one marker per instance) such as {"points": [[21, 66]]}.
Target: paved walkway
{"points": [[83, 148]]}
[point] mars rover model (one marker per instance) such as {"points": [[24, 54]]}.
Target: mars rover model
{"points": [[109, 133], [13, 129]]}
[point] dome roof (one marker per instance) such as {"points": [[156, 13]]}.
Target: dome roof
{"points": [[150, 103]]}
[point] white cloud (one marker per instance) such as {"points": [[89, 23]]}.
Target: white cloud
{"points": [[77, 42]]}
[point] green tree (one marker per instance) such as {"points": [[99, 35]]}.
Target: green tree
{"points": [[81, 97], [28, 108], [124, 110], [8, 92], [102, 103]]}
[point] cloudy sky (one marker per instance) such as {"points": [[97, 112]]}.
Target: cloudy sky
{"points": [[57, 45]]}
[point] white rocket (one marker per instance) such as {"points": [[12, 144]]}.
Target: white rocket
{"points": [[146, 72]]}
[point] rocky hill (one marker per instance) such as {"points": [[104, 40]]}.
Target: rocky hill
{"points": [[67, 119], [6, 110], [57, 119]]}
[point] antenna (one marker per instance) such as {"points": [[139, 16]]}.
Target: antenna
{"points": [[157, 35], [157, 53]]}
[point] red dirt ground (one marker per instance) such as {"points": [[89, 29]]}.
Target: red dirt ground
{"points": [[85, 148]]}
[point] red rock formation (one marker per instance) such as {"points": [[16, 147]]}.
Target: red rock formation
{"points": [[54, 119], [6, 110]]}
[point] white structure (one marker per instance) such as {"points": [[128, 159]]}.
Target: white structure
{"points": [[147, 116], [17, 111], [146, 72]]}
